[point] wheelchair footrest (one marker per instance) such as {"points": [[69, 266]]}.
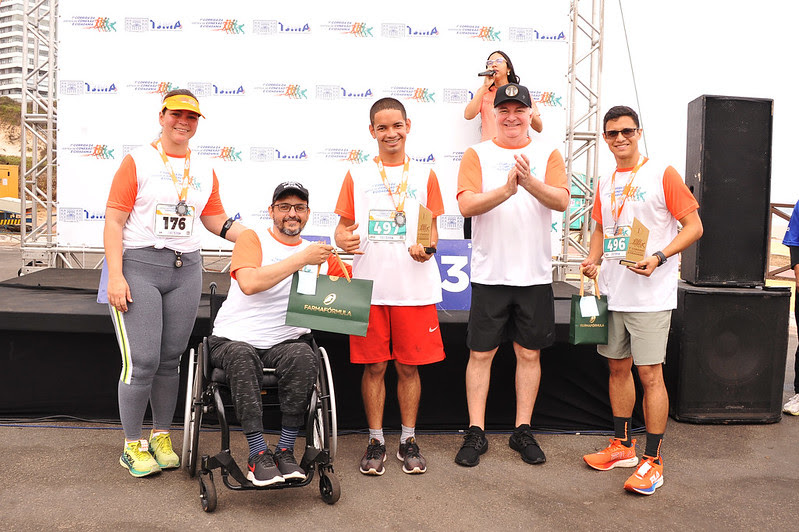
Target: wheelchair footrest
{"points": [[314, 456], [225, 460]]}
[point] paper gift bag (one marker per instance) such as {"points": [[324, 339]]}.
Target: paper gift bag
{"points": [[588, 328], [340, 305]]}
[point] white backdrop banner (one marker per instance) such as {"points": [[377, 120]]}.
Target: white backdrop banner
{"points": [[286, 90]]}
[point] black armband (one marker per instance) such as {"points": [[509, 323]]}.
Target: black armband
{"points": [[225, 226]]}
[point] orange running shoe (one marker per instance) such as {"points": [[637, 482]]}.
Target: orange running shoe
{"points": [[615, 455], [647, 478]]}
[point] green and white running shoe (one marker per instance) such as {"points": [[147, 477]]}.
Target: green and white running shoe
{"points": [[136, 458], [161, 449]]}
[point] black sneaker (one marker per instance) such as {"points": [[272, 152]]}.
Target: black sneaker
{"points": [[412, 460], [261, 469], [287, 465], [373, 458], [474, 444], [522, 440]]}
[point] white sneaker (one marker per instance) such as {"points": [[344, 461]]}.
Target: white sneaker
{"points": [[792, 406]]}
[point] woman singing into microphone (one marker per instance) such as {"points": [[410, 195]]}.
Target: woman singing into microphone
{"points": [[501, 73]]}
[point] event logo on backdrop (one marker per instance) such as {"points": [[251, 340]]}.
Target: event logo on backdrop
{"points": [[151, 87], [216, 88], [273, 27], [473, 31], [229, 26], [399, 30], [286, 95], [138, 24], [335, 92], [353, 28], [84, 22], [228, 154], [75, 87], [96, 151], [349, 155], [291, 91]]}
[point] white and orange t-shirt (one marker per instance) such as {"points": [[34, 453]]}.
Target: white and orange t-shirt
{"points": [[259, 319], [658, 198], [398, 279], [511, 243], [143, 182]]}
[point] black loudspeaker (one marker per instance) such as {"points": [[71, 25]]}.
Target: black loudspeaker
{"points": [[728, 168], [726, 355]]}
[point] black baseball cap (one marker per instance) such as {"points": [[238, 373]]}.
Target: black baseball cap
{"points": [[513, 92], [290, 187]]}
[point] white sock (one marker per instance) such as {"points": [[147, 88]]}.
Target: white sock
{"points": [[407, 432], [377, 434]]}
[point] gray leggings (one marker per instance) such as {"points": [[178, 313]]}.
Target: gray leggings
{"points": [[154, 332]]}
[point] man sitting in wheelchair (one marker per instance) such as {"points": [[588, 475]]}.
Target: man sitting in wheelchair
{"points": [[249, 332]]}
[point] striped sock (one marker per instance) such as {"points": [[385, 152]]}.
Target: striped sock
{"points": [[256, 442], [288, 435]]}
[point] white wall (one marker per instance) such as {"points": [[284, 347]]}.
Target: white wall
{"points": [[682, 49]]}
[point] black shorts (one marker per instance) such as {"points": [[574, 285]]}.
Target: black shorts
{"points": [[522, 314]]}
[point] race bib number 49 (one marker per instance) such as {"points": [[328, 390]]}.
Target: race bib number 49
{"points": [[383, 227]]}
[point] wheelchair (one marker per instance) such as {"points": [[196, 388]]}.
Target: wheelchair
{"points": [[207, 393]]}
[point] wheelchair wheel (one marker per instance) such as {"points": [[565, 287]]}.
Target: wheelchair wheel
{"points": [[187, 411], [329, 488], [195, 416], [207, 492], [328, 405]]}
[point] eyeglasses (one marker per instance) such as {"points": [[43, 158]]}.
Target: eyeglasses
{"points": [[492, 62], [299, 208], [628, 132]]}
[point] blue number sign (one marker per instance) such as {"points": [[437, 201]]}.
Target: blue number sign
{"points": [[454, 259]]}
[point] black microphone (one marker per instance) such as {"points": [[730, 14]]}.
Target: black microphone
{"points": [[488, 73]]}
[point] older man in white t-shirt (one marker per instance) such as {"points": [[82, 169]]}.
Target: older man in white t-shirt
{"points": [[509, 185]]}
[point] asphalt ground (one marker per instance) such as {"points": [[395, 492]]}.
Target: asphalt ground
{"points": [[65, 475]]}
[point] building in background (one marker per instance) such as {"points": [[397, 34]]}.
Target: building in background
{"points": [[11, 60]]}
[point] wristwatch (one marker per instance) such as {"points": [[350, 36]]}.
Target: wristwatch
{"points": [[661, 257]]}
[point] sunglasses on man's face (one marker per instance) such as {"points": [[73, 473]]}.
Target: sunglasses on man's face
{"points": [[628, 132]]}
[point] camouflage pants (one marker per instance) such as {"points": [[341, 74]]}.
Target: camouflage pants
{"points": [[296, 367]]}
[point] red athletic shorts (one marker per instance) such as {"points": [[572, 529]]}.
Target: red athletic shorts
{"points": [[409, 335]]}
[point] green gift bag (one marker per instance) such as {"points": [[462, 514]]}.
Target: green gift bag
{"points": [[590, 329], [340, 305]]}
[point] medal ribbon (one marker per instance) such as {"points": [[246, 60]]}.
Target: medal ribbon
{"points": [[184, 186], [402, 188], [626, 192]]}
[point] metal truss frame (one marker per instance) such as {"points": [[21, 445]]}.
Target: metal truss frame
{"points": [[583, 129], [39, 118]]}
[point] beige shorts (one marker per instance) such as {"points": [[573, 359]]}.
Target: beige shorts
{"points": [[641, 335]]}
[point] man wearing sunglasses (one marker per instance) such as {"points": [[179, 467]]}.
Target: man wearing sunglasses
{"points": [[250, 332], [641, 293]]}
